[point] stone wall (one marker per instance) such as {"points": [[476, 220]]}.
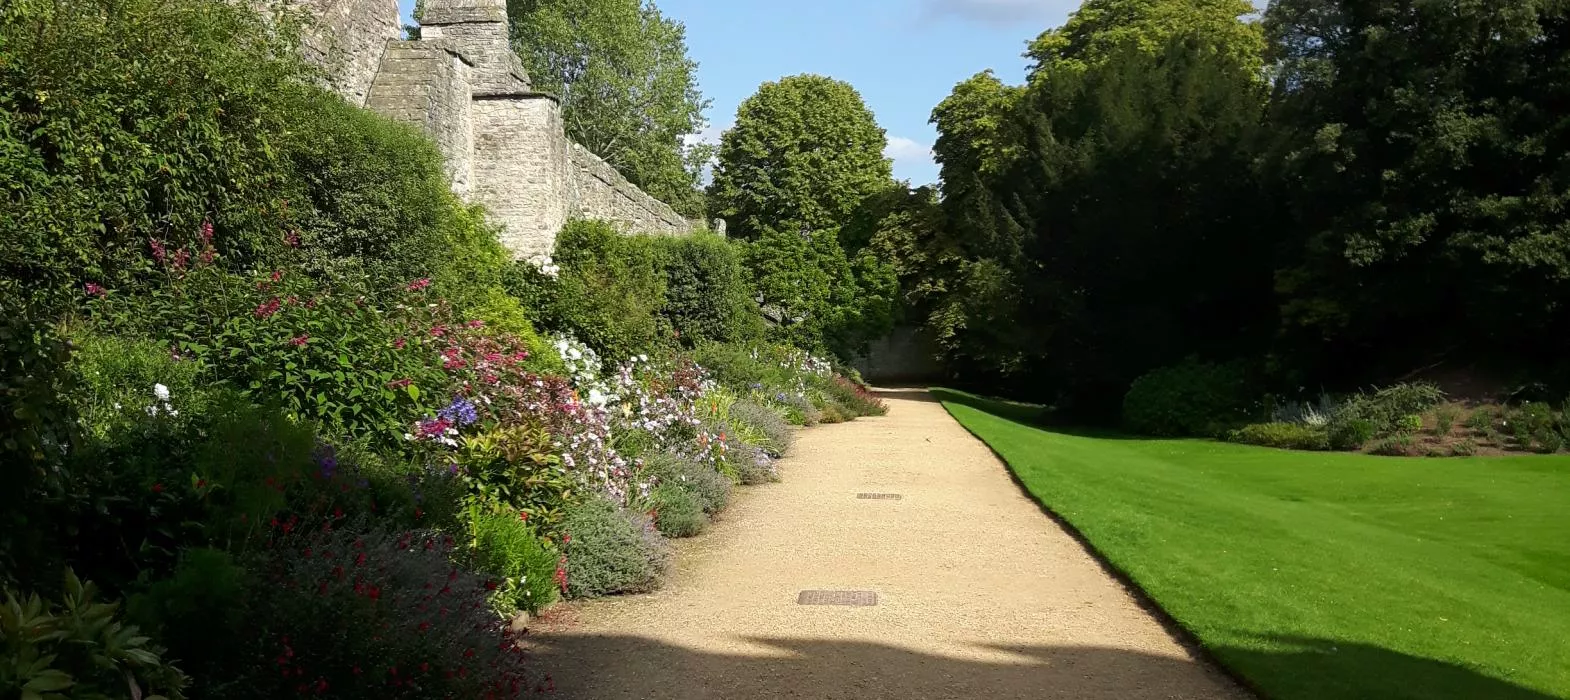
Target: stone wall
{"points": [[521, 170], [599, 192], [427, 86], [348, 38], [503, 144]]}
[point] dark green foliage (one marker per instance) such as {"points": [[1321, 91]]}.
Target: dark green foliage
{"points": [[609, 293], [1464, 448], [125, 122], [196, 611], [708, 297], [1419, 155], [1395, 446], [611, 550], [753, 466], [518, 562], [1289, 436], [711, 488], [804, 281], [1445, 419], [678, 512], [1191, 398], [78, 645]]}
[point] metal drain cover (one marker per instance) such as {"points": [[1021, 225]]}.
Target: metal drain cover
{"points": [[879, 496], [856, 598]]}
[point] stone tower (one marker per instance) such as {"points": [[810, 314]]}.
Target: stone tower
{"points": [[502, 142]]}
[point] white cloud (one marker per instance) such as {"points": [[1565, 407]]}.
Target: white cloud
{"points": [[907, 152], [997, 12], [710, 135]]}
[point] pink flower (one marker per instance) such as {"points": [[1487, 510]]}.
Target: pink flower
{"points": [[207, 232], [300, 341], [292, 239], [182, 257], [493, 357], [267, 308], [419, 284], [438, 331], [476, 323], [94, 290], [207, 256], [399, 343], [277, 275], [159, 253]]}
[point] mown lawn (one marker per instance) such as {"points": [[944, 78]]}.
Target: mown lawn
{"points": [[1323, 575]]}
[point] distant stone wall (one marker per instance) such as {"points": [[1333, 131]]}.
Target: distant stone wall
{"points": [[503, 145], [904, 355], [599, 192]]}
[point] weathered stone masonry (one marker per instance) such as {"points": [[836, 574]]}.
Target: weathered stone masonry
{"points": [[502, 142]]}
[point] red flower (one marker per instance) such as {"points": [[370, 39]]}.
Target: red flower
{"points": [[490, 585], [300, 341], [419, 284], [277, 275], [399, 343], [201, 483], [523, 515], [94, 290], [158, 488]]}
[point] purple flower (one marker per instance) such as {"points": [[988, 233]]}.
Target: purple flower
{"points": [[327, 459], [460, 411]]}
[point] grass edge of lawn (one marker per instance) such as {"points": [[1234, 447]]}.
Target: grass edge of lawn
{"points": [[1172, 625]]}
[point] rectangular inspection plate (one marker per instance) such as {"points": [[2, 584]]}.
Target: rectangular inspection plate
{"points": [[856, 598], [879, 496]]}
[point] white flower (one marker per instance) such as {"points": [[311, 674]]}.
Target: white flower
{"points": [[152, 410], [574, 353], [643, 358], [161, 391], [117, 405]]}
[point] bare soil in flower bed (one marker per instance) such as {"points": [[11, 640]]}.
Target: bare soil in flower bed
{"points": [[978, 593]]}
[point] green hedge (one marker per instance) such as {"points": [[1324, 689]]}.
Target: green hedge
{"points": [[707, 293]]}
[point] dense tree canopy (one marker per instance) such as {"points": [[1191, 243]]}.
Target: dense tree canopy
{"points": [[629, 91], [805, 148]]}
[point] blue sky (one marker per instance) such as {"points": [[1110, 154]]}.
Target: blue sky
{"points": [[902, 55]]}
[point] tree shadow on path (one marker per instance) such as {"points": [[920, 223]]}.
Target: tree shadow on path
{"points": [[612, 667]]}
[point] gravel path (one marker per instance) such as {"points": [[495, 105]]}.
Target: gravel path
{"points": [[980, 595]]}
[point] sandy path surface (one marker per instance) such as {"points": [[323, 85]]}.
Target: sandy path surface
{"points": [[980, 595]]}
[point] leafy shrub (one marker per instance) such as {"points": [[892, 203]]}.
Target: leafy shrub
{"points": [[117, 381], [856, 399], [1464, 448], [1548, 440], [1445, 419], [522, 566], [196, 611], [1346, 433], [1191, 398], [1388, 407], [518, 468], [1409, 424], [608, 292], [78, 648], [1397, 446], [370, 613], [707, 295], [753, 466], [777, 436], [710, 487], [1290, 436], [799, 410], [611, 550], [1482, 419], [1317, 414], [677, 511]]}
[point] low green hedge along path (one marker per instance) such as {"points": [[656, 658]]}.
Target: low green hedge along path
{"points": [[1322, 576]]}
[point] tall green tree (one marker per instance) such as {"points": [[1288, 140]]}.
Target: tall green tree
{"points": [[629, 90], [1422, 151], [804, 149]]}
